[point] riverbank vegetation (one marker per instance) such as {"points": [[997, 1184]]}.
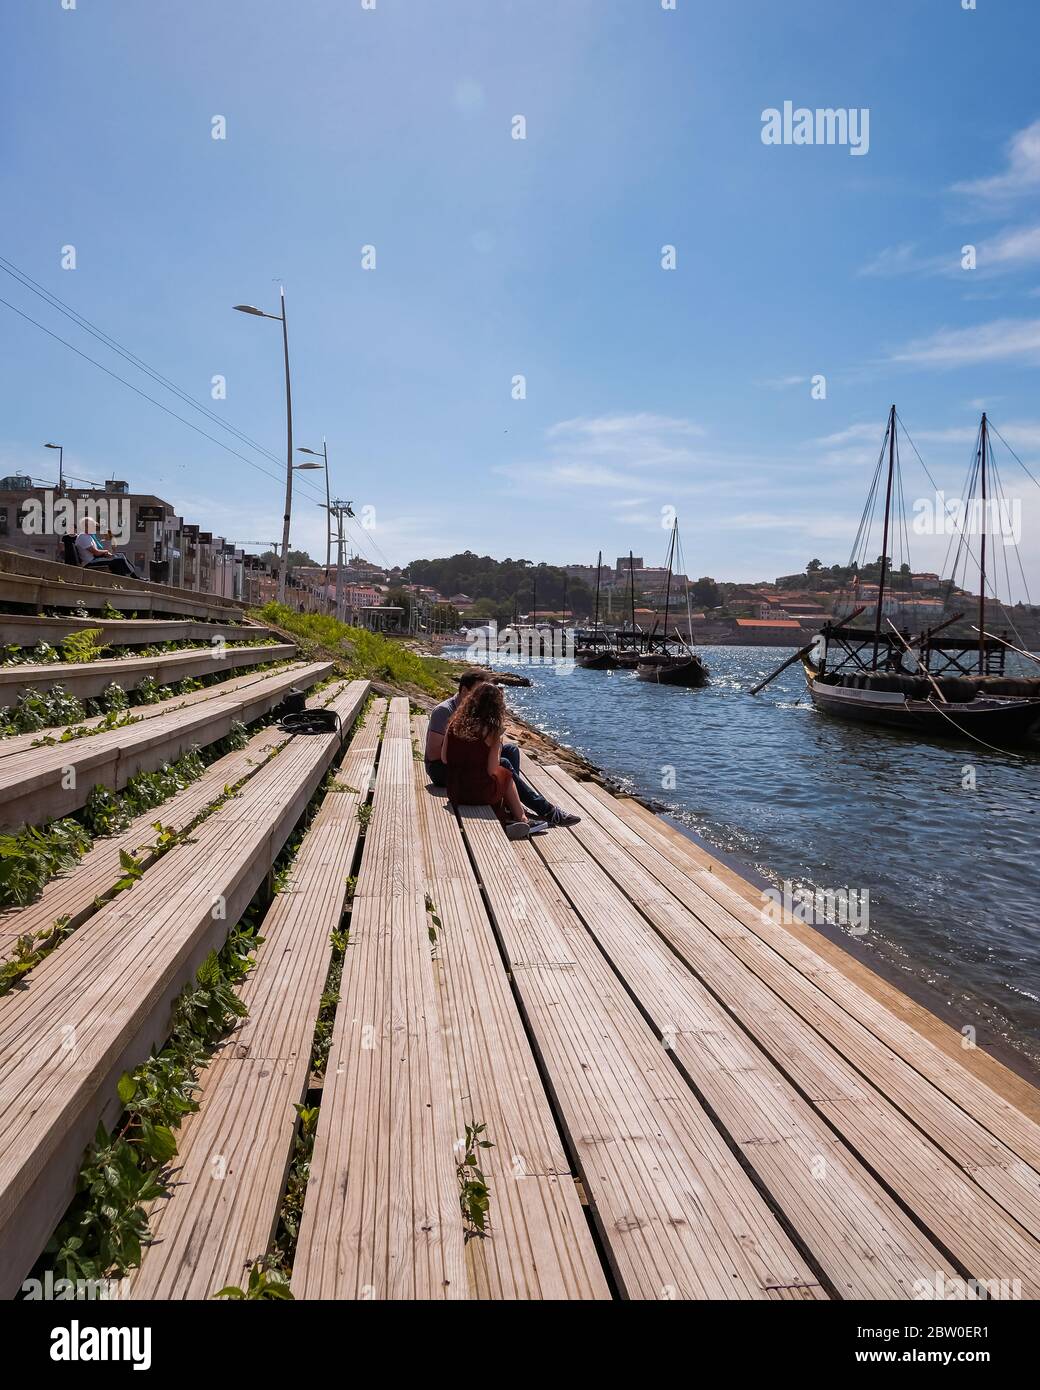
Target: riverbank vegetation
{"points": [[363, 654]]}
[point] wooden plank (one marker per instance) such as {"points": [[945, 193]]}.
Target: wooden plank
{"points": [[41, 783], [26, 629], [677, 1213], [971, 1206], [381, 1216], [88, 679], [15, 563], [102, 1000], [860, 1238], [127, 596], [724, 882], [77, 894], [872, 1029], [540, 1245], [222, 1215], [18, 743]]}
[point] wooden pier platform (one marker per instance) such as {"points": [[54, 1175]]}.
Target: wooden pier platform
{"points": [[685, 1098]]}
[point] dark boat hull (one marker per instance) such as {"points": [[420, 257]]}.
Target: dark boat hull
{"points": [[596, 661], [688, 671], [991, 719]]}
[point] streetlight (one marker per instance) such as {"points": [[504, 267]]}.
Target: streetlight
{"points": [[328, 500], [61, 463], [251, 309]]}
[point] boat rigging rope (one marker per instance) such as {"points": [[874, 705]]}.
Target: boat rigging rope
{"points": [[959, 531]]}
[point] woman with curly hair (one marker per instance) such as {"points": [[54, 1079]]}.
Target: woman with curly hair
{"points": [[472, 753]]}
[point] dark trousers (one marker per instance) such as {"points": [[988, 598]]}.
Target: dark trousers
{"points": [[533, 800], [118, 564]]}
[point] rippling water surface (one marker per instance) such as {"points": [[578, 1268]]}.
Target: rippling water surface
{"points": [[952, 872]]}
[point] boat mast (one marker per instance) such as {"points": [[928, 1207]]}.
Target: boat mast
{"points": [[595, 625], [534, 601], [982, 556], [668, 586], [884, 539], [563, 615], [632, 598]]}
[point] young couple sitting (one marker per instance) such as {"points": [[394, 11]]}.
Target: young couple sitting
{"points": [[465, 754]]}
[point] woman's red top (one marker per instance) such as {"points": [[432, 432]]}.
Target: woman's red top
{"points": [[468, 780]]}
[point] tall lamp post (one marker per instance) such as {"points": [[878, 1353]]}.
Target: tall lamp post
{"points": [[61, 465], [251, 309], [324, 455]]}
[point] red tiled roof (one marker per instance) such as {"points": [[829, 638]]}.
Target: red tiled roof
{"points": [[766, 622]]}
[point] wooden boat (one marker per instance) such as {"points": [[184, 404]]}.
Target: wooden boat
{"points": [[992, 719], [688, 670], [665, 667], [628, 658], [859, 674], [597, 656], [596, 659]]}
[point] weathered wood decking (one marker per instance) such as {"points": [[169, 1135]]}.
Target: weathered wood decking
{"points": [[686, 1099]]}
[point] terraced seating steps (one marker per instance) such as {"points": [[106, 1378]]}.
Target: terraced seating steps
{"points": [[109, 988], [88, 679], [41, 784]]}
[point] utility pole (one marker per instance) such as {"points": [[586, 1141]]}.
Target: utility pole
{"points": [[340, 509]]}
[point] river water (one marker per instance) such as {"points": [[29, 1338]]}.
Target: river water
{"points": [[943, 836]]}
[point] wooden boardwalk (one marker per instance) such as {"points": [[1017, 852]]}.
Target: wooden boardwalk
{"points": [[685, 1098]]}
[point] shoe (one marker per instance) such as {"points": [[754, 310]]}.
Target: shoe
{"points": [[518, 830], [561, 817], [538, 827]]}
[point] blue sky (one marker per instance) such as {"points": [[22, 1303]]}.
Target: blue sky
{"points": [[495, 257]]}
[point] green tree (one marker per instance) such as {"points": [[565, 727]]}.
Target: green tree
{"points": [[706, 592]]}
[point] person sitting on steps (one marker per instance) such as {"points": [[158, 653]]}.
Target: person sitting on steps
{"points": [[472, 755], [440, 717], [95, 556]]}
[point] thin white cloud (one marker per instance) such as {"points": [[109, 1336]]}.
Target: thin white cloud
{"points": [[865, 431], [1016, 247], [779, 383], [1000, 340], [621, 427], [1022, 174], [1011, 250], [905, 259]]}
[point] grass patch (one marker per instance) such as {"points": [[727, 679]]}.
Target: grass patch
{"points": [[365, 654]]}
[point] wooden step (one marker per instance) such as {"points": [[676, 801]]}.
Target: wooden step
{"points": [[95, 586], [860, 1238], [917, 1035], [540, 1245], [96, 1006], [126, 595], [88, 679], [26, 629], [77, 894], [18, 743], [209, 1231], [973, 1196], [43, 783], [677, 1214], [381, 1217]]}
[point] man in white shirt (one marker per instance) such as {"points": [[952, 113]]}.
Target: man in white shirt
{"points": [[95, 556]]}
